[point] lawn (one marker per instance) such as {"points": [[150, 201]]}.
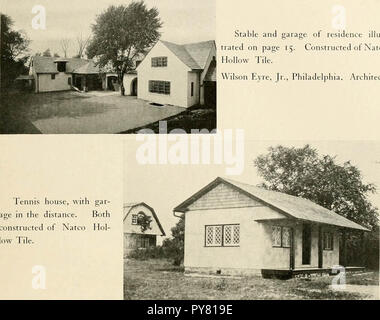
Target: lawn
{"points": [[159, 279]]}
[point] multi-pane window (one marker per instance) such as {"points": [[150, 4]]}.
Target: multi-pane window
{"points": [[285, 237], [281, 236], [162, 87], [134, 218], [142, 241], [159, 62], [328, 241], [222, 235]]}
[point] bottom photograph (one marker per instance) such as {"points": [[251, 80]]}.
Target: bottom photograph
{"points": [[299, 222]]}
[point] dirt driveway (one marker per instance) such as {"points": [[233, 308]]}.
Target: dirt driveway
{"points": [[98, 112]]}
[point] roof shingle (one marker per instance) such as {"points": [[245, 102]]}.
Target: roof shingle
{"points": [[47, 65], [292, 206], [194, 55]]}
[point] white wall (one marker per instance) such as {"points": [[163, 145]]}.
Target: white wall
{"points": [[46, 84], [127, 82], [193, 77], [275, 257], [331, 257], [256, 250], [130, 228], [248, 255], [176, 72]]}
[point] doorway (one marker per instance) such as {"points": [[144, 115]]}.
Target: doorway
{"points": [[210, 93], [134, 87], [306, 244]]}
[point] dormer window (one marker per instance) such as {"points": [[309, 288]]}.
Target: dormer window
{"points": [[159, 62], [61, 65]]}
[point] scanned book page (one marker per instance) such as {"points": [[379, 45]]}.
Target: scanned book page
{"points": [[201, 146]]}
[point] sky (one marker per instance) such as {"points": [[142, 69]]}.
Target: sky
{"points": [[163, 187], [184, 21]]}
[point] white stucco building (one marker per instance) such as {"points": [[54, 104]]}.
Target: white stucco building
{"points": [[182, 75], [232, 227]]}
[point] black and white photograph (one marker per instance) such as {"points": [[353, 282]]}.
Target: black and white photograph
{"points": [[194, 159], [299, 222], [111, 67]]}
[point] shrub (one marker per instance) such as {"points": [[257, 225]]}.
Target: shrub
{"points": [[148, 253]]}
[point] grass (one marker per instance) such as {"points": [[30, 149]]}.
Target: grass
{"points": [[197, 117], [158, 279]]}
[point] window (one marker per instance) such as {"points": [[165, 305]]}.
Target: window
{"points": [[159, 62], [162, 87], [328, 241], [143, 241], [134, 218], [222, 235], [61, 66], [285, 237], [192, 89], [276, 236], [281, 237], [53, 76], [69, 81]]}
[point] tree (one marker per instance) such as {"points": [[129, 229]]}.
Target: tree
{"points": [[56, 55], [123, 33], [144, 221], [46, 53], [14, 48], [174, 246], [65, 44], [302, 172], [82, 44], [338, 187]]}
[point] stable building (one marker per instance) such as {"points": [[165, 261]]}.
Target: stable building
{"points": [[59, 74]]}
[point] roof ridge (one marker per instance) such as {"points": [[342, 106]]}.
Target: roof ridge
{"points": [[274, 191], [295, 206], [193, 63]]}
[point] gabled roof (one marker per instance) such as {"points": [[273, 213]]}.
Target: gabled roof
{"points": [[194, 55], [129, 206], [48, 64], [89, 68], [290, 206]]}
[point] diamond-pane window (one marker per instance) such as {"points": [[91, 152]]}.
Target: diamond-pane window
{"points": [[218, 236], [209, 235], [236, 237], [227, 235], [286, 237], [222, 235], [276, 236]]}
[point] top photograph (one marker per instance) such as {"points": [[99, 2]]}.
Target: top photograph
{"points": [[108, 67]]}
